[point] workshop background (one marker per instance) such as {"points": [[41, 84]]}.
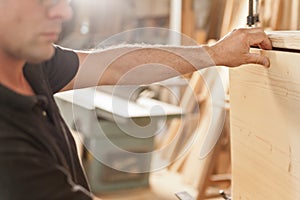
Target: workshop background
{"points": [[244, 161]]}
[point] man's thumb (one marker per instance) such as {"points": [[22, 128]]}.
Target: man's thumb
{"points": [[259, 59]]}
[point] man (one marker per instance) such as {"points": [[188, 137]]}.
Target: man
{"points": [[37, 154]]}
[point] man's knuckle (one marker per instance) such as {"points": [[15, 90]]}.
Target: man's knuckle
{"points": [[243, 33]]}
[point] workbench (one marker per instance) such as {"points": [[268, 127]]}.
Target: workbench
{"points": [[118, 134], [265, 123]]}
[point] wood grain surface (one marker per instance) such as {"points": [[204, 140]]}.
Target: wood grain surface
{"points": [[265, 128], [285, 39]]}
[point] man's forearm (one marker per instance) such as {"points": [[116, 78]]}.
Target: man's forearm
{"points": [[140, 64]]}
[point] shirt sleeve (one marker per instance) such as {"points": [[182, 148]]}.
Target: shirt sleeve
{"points": [[29, 176], [61, 68]]}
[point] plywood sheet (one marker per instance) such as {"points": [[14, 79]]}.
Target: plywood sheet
{"points": [[265, 128], [285, 39]]}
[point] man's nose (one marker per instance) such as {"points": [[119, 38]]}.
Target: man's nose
{"points": [[61, 10]]}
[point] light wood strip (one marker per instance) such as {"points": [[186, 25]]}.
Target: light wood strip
{"points": [[285, 39]]}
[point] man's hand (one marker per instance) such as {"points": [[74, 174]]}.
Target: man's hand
{"points": [[233, 49]]}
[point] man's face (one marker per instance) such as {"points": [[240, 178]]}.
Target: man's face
{"points": [[29, 27]]}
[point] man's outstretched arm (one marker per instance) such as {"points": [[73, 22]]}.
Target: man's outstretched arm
{"points": [[145, 64]]}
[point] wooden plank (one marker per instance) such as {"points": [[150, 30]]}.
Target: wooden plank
{"points": [[185, 127], [208, 109], [286, 19], [265, 124], [299, 16], [178, 126], [227, 17], [235, 15], [188, 18], [171, 138], [215, 23], [285, 39], [295, 14], [188, 102], [276, 19]]}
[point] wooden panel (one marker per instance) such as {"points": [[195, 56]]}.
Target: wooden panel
{"points": [[235, 15], [285, 39], [265, 128], [295, 14], [188, 18]]}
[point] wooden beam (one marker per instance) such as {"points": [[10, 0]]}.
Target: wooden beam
{"points": [[188, 18], [295, 14], [285, 39], [265, 124]]}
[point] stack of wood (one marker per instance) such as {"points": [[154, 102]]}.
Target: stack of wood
{"points": [[199, 19], [274, 15], [212, 19], [280, 14]]}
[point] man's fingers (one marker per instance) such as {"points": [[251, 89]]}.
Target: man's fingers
{"points": [[265, 43], [233, 49], [259, 59], [258, 37]]}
